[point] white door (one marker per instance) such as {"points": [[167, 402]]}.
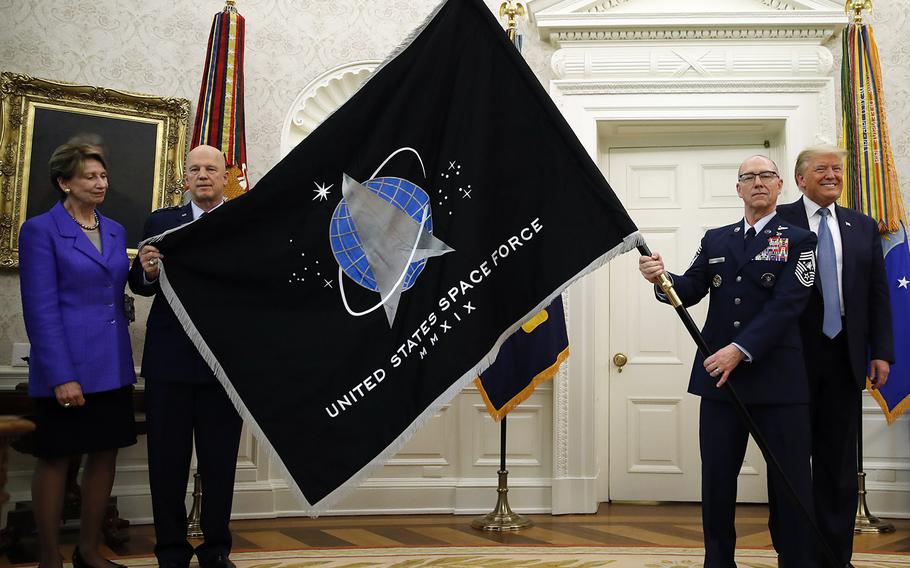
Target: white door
{"points": [[674, 194]]}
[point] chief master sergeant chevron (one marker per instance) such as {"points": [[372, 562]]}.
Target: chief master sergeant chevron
{"points": [[759, 272]]}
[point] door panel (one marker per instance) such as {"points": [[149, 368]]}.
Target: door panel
{"points": [[674, 195]]}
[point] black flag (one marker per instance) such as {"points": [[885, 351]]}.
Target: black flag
{"points": [[376, 270]]}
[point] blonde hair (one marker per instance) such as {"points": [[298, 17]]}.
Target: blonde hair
{"points": [[813, 151]]}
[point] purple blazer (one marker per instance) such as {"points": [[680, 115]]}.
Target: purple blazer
{"points": [[72, 301]]}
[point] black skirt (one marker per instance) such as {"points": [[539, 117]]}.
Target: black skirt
{"points": [[105, 422]]}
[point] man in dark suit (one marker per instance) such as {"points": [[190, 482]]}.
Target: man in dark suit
{"points": [[759, 272], [183, 398], [847, 335]]}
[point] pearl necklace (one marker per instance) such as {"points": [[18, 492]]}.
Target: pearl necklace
{"points": [[86, 227]]}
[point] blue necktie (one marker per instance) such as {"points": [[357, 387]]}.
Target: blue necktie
{"points": [[827, 269]]}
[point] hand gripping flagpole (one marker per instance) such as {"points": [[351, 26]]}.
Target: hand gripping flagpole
{"points": [[666, 286], [502, 518]]}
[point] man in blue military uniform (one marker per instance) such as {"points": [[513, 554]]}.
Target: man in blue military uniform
{"points": [[759, 272], [184, 400]]}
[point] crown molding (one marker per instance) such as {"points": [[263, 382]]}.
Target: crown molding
{"points": [[568, 21]]}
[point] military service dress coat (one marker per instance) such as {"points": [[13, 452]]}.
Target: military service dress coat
{"points": [[757, 293]]}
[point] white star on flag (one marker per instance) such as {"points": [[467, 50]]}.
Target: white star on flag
{"points": [[322, 192], [902, 283]]}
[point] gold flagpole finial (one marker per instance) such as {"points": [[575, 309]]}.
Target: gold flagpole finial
{"points": [[855, 9], [229, 6], [511, 8]]}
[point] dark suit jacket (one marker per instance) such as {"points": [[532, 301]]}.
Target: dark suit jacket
{"points": [[755, 302], [867, 309], [72, 302], [169, 355]]}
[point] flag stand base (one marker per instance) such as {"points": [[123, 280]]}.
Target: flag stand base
{"points": [[193, 528], [866, 522], [502, 518]]}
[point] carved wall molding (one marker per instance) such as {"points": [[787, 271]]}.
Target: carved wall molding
{"points": [[598, 87], [563, 22], [779, 4], [561, 408], [607, 5], [702, 60], [604, 6], [320, 98], [682, 33]]}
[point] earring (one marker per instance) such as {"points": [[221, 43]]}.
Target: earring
{"points": [[66, 190]]}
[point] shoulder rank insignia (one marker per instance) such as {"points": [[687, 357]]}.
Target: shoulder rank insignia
{"points": [[805, 268], [694, 258]]}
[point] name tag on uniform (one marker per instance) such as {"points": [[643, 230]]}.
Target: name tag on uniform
{"points": [[717, 260], [778, 249]]}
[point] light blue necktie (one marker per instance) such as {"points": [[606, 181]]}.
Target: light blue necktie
{"points": [[827, 269]]}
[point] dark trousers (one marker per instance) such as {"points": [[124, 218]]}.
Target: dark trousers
{"points": [[723, 437], [836, 409], [176, 413]]}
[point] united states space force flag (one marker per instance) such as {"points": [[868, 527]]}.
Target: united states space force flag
{"points": [[377, 269]]}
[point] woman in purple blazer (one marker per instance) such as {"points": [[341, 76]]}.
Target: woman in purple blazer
{"points": [[73, 269]]}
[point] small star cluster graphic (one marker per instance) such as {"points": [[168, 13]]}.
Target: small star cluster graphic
{"points": [[451, 189], [309, 270]]}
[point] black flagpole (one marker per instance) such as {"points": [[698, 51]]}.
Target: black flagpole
{"points": [[667, 287]]}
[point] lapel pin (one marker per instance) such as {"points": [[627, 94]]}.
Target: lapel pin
{"points": [[736, 230], [767, 231], [848, 223]]}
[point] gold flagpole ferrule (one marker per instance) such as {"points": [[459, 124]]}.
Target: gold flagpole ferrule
{"points": [[855, 9], [512, 10], [666, 286]]}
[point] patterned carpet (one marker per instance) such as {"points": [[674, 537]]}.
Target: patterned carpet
{"points": [[515, 557]]}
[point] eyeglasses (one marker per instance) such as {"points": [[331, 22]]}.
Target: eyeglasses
{"points": [[765, 176]]}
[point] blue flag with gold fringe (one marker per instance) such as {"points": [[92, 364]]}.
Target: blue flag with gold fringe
{"points": [[529, 357], [871, 187], [894, 397]]}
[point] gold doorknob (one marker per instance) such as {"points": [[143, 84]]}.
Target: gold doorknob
{"points": [[620, 360]]}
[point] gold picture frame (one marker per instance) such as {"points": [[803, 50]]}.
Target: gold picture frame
{"points": [[144, 138]]}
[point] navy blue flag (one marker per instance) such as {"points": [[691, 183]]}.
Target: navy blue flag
{"points": [[452, 203], [530, 356], [894, 397]]}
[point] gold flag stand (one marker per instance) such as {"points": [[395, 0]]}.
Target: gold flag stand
{"points": [[193, 526], [502, 518], [866, 522]]}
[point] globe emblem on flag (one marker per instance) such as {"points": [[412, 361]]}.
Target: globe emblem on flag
{"points": [[347, 248]]}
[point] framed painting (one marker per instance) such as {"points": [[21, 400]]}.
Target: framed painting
{"points": [[143, 138]]}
